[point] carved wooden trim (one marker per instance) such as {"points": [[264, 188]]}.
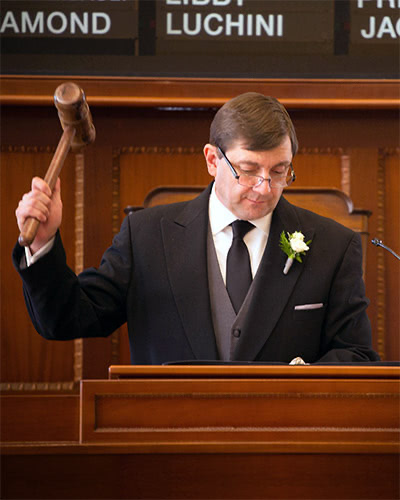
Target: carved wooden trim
{"points": [[189, 150], [79, 211], [239, 395], [239, 429], [184, 150], [37, 387], [79, 248], [345, 174], [27, 149], [116, 189], [380, 232], [391, 151], [335, 151], [115, 208]]}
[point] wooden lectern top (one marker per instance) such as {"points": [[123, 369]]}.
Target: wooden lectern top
{"points": [[250, 370]]}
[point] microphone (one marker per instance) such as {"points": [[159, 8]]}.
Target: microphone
{"points": [[379, 243]]}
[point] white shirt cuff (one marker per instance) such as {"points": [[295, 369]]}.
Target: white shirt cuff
{"points": [[31, 259]]}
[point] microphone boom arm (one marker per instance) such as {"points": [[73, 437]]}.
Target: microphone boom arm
{"points": [[378, 243]]}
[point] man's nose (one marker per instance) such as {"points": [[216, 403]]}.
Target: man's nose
{"points": [[264, 187]]}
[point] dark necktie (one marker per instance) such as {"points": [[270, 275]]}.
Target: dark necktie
{"points": [[238, 270]]}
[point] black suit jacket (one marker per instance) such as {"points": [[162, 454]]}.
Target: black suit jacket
{"points": [[154, 276]]}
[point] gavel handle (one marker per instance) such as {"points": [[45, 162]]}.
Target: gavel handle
{"points": [[31, 224]]}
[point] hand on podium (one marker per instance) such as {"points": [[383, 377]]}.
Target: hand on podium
{"points": [[298, 361]]}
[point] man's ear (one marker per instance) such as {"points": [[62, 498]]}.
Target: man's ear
{"points": [[210, 154]]}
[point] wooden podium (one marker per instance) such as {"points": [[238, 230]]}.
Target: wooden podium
{"points": [[309, 432]]}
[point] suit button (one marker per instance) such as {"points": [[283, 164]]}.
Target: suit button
{"points": [[236, 332]]}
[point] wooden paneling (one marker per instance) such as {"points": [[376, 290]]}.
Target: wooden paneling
{"points": [[319, 168], [142, 172], [26, 357], [139, 148], [40, 417], [70, 472], [305, 432], [391, 215]]}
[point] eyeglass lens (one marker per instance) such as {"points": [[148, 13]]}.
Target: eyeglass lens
{"points": [[275, 180]]}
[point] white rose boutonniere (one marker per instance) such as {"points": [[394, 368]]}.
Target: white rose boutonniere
{"points": [[294, 246]]}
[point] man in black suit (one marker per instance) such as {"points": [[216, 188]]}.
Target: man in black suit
{"points": [[166, 272]]}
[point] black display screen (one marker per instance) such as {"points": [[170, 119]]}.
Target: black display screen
{"points": [[202, 38]]}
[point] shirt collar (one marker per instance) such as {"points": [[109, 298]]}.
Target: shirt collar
{"points": [[221, 217]]}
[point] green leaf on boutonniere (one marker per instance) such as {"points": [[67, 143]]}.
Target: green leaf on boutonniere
{"points": [[284, 245]]}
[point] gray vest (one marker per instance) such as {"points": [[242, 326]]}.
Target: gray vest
{"points": [[227, 325]]}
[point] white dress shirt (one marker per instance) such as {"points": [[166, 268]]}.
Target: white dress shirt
{"points": [[31, 259], [256, 239]]}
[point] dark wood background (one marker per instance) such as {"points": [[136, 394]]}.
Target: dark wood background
{"points": [[150, 133]]}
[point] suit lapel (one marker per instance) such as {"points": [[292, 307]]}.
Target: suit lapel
{"points": [[272, 287], [185, 246]]}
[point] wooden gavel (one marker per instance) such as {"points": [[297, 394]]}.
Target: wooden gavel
{"points": [[79, 131]]}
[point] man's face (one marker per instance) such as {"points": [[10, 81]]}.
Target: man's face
{"points": [[245, 202]]}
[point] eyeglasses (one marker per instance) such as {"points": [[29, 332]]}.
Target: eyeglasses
{"points": [[275, 179]]}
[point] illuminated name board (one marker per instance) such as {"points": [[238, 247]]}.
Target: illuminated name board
{"points": [[232, 38]]}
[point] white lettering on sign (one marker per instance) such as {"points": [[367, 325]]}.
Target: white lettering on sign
{"points": [[380, 4], [381, 26], [207, 25], [98, 19], [193, 24], [222, 21], [56, 23], [386, 27], [9, 22], [83, 24], [54, 19], [217, 3], [27, 26]]}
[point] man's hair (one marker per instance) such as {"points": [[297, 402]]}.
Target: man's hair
{"points": [[258, 122]]}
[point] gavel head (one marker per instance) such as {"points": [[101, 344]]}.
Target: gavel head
{"points": [[73, 110]]}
